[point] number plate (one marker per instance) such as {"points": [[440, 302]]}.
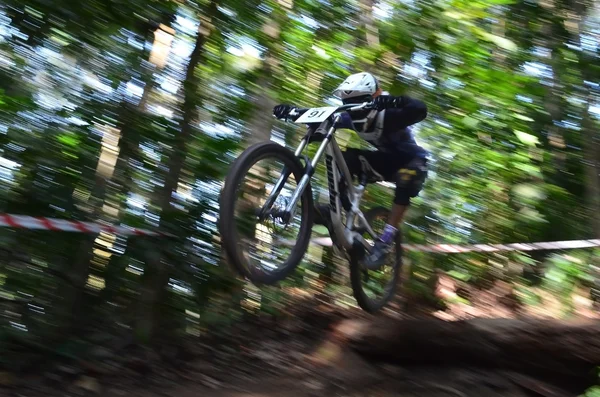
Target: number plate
{"points": [[316, 115]]}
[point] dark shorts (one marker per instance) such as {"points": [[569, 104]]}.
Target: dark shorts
{"points": [[409, 175]]}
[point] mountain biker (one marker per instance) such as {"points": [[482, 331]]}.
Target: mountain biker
{"points": [[397, 158]]}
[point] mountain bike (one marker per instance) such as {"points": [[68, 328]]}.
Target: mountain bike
{"points": [[268, 189]]}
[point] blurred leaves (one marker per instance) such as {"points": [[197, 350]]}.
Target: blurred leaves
{"points": [[527, 139], [89, 128]]}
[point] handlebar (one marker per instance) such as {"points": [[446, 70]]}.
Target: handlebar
{"points": [[351, 107]]}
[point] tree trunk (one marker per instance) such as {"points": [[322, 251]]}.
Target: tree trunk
{"points": [[177, 158], [591, 138], [371, 35], [157, 278], [368, 23], [128, 142], [564, 350], [552, 103], [261, 123], [591, 155]]}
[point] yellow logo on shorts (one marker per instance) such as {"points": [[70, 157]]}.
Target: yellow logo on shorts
{"points": [[406, 174]]}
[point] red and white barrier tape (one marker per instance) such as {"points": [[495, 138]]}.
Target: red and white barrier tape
{"points": [[41, 223], [455, 249], [53, 224]]}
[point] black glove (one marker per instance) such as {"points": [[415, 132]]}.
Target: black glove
{"points": [[282, 111], [388, 101]]}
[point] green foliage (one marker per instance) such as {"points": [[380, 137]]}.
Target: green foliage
{"points": [[593, 391], [89, 128]]}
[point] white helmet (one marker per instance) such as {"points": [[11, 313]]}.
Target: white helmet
{"points": [[357, 85]]}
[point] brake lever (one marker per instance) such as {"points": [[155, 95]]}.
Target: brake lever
{"points": [[293, 112], [369, 106], [362, 106]]}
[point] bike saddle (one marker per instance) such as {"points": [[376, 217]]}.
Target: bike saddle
{"points": [[369, 175]]}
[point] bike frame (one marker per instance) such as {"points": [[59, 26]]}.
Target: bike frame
{"points": [[337, 170]]}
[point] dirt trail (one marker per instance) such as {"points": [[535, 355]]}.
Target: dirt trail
{"points": [[334, 366], [324, 351]]}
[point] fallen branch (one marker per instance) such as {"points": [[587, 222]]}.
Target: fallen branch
{"points": [[549, 348]]}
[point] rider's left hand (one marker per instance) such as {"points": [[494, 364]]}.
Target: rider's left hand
{"points": [[282, 111], [388, 101]]}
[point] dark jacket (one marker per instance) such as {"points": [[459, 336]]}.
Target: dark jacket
{"points": [[389, 131]]}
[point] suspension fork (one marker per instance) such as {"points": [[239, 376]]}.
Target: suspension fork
{"points": [[285, 174], [310, 170]]}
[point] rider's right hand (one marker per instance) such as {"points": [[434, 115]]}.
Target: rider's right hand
{"points": [[282, 111]]}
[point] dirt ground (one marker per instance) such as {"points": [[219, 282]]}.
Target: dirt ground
{"points": [[299, 355]]}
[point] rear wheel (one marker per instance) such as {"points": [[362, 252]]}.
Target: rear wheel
{"points": [[264, 248], [374, 289]]}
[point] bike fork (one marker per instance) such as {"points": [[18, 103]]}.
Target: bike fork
{"points": [[310, 170], [285, 174]]}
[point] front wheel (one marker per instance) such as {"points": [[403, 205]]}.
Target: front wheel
{"points": [[260, 243], [374, 289]]}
